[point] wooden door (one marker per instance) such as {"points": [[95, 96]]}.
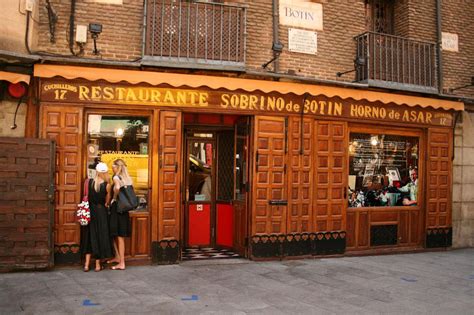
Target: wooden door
{"points": [[331, 175], [439, 185], [300, 175], [169, 150], [242, 185], [63, 124], [269, 211]]}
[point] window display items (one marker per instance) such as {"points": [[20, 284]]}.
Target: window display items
{"points": [[382, 170]]}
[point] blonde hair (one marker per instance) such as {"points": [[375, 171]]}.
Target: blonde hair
{"points": [[98, 179], [122, 172]]}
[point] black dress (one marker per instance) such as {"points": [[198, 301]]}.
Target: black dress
{"points": [[119, 222], [95, 237]]}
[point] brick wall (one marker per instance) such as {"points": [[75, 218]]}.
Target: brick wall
{"points": [[121, 38], [458, 18], [25, 220], [122, 25]]}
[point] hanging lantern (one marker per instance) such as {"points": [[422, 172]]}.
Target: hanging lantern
{"points": [[17, 90]]}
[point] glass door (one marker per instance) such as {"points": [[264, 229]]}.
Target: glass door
{"points": [[200, 188]]}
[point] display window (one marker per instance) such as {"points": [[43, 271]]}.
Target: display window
{"points": [[120, 137], [383, 170]]}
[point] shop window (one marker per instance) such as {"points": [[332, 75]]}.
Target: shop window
{"points": [[383, 170], [121, 137]]}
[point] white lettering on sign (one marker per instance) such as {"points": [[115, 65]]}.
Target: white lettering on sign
{"points": [[302, 41], [301, 14], [450, 42], [199, 208]]}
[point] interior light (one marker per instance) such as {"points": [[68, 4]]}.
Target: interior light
{"points": [[119, 132], [374, 141]]}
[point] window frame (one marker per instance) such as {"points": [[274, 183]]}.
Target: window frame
{"points": [[403, 132]]}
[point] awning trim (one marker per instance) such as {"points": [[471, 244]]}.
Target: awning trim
{"points": [[14, 77], [250, 85]]}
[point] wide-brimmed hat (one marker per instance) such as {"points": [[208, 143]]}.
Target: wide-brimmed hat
{"points": [[101, 168]]}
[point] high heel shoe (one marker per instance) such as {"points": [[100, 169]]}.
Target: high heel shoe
{"points": [[85, 269], [100, 268]]}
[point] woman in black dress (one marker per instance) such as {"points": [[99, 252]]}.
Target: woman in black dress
{"points": [[95, 237], [119, 222]]}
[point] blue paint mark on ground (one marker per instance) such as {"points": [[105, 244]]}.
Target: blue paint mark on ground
{"points": [[407, 279], [191, 298], [89, 303]]}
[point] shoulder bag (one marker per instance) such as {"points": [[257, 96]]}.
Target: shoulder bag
{"points": [[126, 199]]}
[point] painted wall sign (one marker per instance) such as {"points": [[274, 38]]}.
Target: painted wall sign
{"points": [[450, 42], [300, 13], [302, 41], [239, 102]]}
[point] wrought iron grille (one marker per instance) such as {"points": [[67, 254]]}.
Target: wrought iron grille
{"points": [[199, 32], [393, 61]]}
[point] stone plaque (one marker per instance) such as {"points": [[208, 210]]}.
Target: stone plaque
{"points": [[303, 14], [450, 42], [302, 41]]}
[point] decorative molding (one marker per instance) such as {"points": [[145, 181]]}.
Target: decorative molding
{"points": [[298, 244], [67, 254], [439, 237], [165, 252]]}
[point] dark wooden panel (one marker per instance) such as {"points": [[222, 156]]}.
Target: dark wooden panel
{"points": [[363, 229], [269, 176], [300, 176], [169, 175], [351, 230], [26, 219], [404, 227]]}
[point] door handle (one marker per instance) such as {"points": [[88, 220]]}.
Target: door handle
{"points": [[257, 160]]}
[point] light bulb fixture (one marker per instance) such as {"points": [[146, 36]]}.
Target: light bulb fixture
{"points": [[119, 133], [374, 140]]}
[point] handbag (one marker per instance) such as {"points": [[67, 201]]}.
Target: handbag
{"points": [[126, 199], [83, 212]]}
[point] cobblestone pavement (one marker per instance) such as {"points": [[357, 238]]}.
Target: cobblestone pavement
{"points": [[434, 282]]}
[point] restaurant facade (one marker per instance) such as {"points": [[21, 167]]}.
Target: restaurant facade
{"points": [[265, 169]]}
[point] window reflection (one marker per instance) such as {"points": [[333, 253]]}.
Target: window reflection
{"points": [[120, 137], [383, 170], [200, 171]]}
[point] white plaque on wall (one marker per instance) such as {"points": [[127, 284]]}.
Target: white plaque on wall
{"points": [[302, 41], [299, 13], [450, 42]]}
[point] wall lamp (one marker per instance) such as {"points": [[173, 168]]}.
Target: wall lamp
{"points": [[451, 90], [277, 50], [358, 62], [95, 30]]}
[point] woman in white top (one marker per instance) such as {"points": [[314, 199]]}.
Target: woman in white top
{"points": [[119, 222]]}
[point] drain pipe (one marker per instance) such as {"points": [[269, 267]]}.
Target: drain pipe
{"points": [[438, 46], [71, 27], [276, 63], [144, 27]]}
